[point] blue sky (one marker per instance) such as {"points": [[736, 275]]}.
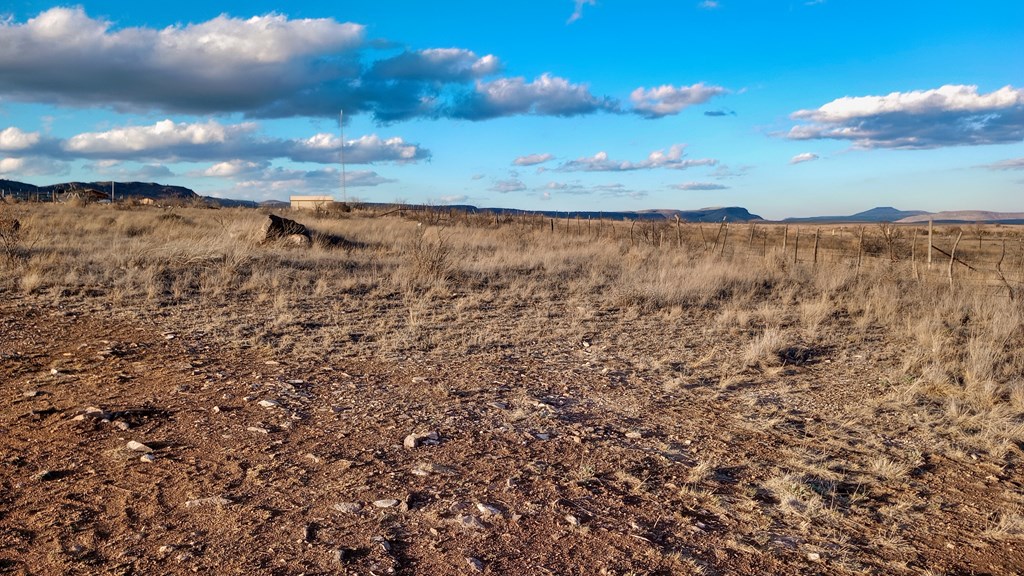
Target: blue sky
{"points": [[788, 108]]}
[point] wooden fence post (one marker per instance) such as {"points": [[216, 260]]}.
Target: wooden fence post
{"points": [[952, 258], [860, 250], [929, 243], [913, 252], [785, 239], [702, 238], [631, 232], [725, 239], [816, 230], [718, 236], [796, 247], [679, 237]]}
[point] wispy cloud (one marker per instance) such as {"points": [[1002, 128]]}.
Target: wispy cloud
{"points": [[1011, 164], [805, 157], [699, 186], [673, 159], [509, 185], [577, 13], [453, 199], [709, 5], [532, 159], [951, 115]]}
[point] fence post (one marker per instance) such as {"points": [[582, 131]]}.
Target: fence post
{"points": [[816, 230], [718, 236], [796, 247], [785, 239], [702, 238], [631, 233], [725, 239], [952, 258], [929, 243], [913, 252], [679, 238], [860, 250]]}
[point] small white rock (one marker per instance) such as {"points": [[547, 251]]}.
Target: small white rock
{"points": [[470, 522], [385, 503], [488, 510], [207, 502], [475, 564], [138, 447], [268, 403], [348, 507], [147, 458], [813, 556]]}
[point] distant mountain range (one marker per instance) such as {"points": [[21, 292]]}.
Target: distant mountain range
{"points": [[890, 214], [879, 214], [966, 216], [138, 190], [157, 191], [716, 214]]}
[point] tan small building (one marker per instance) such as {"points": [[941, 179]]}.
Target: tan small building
{"points": [[311, 202]]}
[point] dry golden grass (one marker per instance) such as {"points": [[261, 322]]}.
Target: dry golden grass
{"points": [[942, 364]]}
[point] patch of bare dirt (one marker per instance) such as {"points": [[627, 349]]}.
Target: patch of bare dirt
{"points": [[545, 463]]}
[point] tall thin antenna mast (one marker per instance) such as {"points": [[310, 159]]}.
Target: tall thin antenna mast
{"points": [[341, 152]]}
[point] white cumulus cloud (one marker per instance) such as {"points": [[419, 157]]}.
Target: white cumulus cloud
{"points": [[65, 56], [668, 100], [546, 95], [950, 115], [165, 134], [167, 140], [13, 139]]}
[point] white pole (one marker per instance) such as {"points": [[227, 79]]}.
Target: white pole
{"points": [[341, 153]]}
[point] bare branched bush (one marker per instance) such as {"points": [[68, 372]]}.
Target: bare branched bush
{"points": [[11, 234]]}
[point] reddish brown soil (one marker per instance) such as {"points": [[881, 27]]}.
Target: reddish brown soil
{"points": [[577, 483]]}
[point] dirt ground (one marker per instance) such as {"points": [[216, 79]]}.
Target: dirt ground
{"points": [[564, 457]]}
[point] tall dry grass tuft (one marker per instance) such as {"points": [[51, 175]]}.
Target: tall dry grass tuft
{"points": [[452, 282]]}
